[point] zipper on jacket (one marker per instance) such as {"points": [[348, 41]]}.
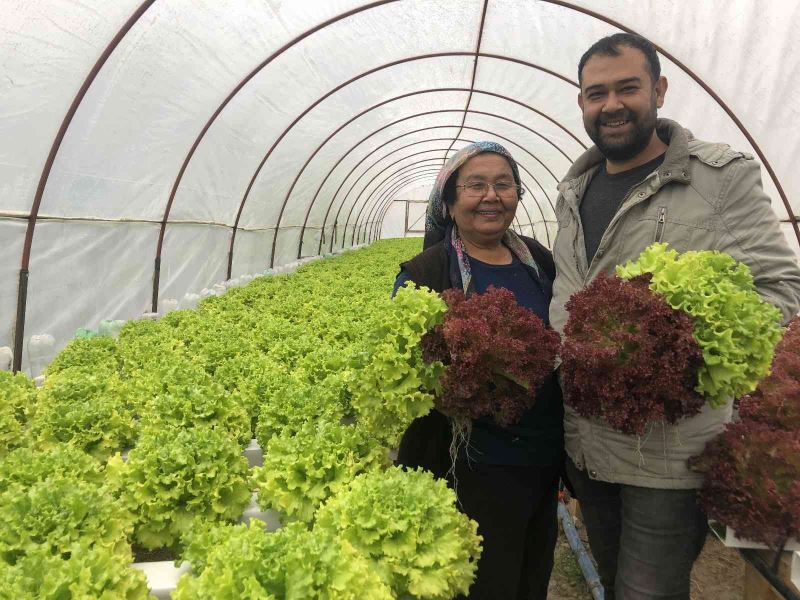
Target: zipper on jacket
{"points": [[660, 222], [641, 197]]}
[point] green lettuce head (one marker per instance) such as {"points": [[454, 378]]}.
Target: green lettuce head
{"points": [[17, 405], [175, 476], [304, 468], [54, 498], [83, 572], [407, 524], [241, 561], [736, 329], [392, 384]]}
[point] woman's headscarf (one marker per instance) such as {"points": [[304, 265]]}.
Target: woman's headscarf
{"points": [[436, 218], [439, 225]]}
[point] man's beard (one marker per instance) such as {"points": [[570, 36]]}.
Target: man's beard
{"points": [[621, 148]]}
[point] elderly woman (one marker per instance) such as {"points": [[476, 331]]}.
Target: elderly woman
{"points": [[509, 484]]}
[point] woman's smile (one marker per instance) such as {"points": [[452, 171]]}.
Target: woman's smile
{"points": [[490, 213]]}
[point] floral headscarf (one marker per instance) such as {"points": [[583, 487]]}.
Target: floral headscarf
{"points": [[438, 222]]}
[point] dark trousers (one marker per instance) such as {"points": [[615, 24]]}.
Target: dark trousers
{"points": [[515, 508], [644, 540]]}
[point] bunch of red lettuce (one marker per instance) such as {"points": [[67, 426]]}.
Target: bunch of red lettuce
{"points": [[628, 357], [752, 481], [496, 353], [776, 401], [752, 470]]}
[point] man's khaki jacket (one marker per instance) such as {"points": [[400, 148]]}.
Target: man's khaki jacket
{"points": [[704, 196]]}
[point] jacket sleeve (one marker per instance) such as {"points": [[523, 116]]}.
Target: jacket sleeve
{"points": [[753, 236], [402, 277]]}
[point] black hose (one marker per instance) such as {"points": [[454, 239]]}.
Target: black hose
{"points": [[755, 559]]}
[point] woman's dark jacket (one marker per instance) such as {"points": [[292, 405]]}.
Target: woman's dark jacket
{"points": [[426, 442]]}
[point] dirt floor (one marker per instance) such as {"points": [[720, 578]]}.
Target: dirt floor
{"points": [[717, 575]]}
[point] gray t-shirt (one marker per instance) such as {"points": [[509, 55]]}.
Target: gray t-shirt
{"points": [[603, 197]]}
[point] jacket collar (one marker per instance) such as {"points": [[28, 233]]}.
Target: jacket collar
{"points": [[674, 168]]}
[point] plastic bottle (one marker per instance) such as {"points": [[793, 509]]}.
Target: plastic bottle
{"points": [[41, 350], [167, 305], [117, 325], [189, 300], [110, 327], [6, 358]]}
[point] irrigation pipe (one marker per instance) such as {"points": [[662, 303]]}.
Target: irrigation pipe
{"points": [[584, 561]]}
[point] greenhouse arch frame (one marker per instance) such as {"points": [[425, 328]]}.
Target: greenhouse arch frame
{"points": [[342, 83]]}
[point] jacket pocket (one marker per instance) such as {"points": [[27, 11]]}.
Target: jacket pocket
{"points": [[661, 223]]}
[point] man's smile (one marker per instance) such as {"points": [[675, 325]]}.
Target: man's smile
{"points": [[615, 124]]}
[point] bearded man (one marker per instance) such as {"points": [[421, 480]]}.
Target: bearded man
{"points": [[648, 180]]}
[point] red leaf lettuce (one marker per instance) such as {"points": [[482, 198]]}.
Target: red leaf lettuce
{"points": [[628, 357], [752, 481], [496, 352], [776, 401]]}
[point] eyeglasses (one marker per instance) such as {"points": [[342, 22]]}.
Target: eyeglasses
{"points": [[479, 189]]}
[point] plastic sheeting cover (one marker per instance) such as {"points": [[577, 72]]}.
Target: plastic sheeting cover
{"points": [[301, 136]]}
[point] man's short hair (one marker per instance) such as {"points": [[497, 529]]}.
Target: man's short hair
{"points": [[610, 46]]}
